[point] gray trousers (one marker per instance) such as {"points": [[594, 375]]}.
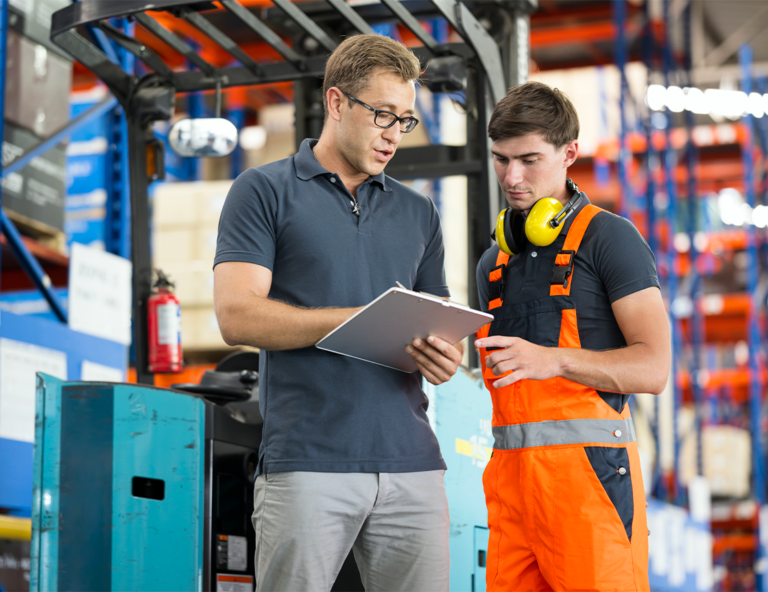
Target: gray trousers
{"points": [[395, 523]]}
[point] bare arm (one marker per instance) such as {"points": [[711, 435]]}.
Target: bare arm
{"points": [[641, 367], [247, 317]]}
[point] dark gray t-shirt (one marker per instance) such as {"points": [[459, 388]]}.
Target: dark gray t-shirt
{"points": [[323, 411], [613, 261]]}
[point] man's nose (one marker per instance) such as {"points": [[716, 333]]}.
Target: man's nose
{"points": [[393, 134], [514, 174]]}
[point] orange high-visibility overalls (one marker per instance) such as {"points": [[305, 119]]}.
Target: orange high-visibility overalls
{"points": [[566, 505]]}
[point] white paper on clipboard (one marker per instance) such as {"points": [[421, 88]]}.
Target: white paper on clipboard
{"points": [[380, 332]]}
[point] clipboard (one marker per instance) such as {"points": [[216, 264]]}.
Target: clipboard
{"points": [[379, 332]]}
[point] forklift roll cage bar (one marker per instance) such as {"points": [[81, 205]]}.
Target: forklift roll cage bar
{"points": [[151, 98]]}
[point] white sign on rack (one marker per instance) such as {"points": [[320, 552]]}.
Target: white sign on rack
{"points": [[93, 372], [100, 294], [19, 362]]}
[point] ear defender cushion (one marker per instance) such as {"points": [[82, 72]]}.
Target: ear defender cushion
{"points": [[515, 231], [500, 231], [510, 231]]}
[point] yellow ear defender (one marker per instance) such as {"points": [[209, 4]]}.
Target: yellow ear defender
{"points": [[542, 225]]}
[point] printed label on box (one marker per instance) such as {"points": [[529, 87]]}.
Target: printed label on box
{"points": [[23, 6], [14, 183], [237, 553], [231, 583]]}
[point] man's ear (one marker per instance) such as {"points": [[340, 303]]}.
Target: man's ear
{"points": [[570, 153], [334, 97]]}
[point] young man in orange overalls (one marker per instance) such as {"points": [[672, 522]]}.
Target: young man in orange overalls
{"points": [[579, 324]]}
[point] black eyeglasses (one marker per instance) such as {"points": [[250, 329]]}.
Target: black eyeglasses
{"points": [[386, 119]]}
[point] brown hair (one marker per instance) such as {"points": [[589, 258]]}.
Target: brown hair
{"points": [[351, 64], [535, 108]]}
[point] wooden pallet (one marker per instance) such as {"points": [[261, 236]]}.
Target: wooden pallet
{"points": [[51, 237]]}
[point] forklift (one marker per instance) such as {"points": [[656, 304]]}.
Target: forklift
{"points": [[142, 488]]}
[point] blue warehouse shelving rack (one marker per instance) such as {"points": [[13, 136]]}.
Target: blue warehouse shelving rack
{"points": [[26, 262], [675, 171], [52, 334]]}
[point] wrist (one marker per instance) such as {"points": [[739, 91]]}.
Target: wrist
{"points": [[564, 361]]}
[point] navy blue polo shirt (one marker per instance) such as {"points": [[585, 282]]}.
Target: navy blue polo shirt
{"points": [[323, 411]]}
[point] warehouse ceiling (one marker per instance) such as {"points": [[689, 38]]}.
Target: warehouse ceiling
{"points": [[568, 33], [564, 33], [724, 26]]}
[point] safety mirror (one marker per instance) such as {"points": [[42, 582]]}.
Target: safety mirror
{"points": [[208, 137]]}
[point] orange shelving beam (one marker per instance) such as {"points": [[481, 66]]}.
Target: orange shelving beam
{"points": [[739, 542], [190, 375]]}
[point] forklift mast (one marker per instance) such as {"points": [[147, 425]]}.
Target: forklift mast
{"points": [[492, 55]]}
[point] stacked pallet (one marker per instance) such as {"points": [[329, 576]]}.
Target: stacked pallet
{"points": [[37, 77], [185, 224]]}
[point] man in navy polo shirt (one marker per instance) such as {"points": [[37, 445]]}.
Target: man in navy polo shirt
{"points": [[348, 459]]}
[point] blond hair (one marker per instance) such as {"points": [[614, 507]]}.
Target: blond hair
{"points": [[352, 63]]}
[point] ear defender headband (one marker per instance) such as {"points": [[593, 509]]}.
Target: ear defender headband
{"points": [[542, 225]]}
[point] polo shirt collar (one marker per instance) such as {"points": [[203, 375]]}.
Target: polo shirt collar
{"points": [[307, 166]]}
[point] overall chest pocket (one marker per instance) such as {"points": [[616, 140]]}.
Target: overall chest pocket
{"points": [[537, 321]]}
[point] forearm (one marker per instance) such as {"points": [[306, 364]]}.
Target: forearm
{"points": [[633, 369], [272, 325]]}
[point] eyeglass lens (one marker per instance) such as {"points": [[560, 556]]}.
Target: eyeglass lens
{"points": [[387, 119]]}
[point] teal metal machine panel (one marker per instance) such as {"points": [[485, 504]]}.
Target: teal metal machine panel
{"points": [[158, 435], [44, 552], [460, 412], [118, 488]]}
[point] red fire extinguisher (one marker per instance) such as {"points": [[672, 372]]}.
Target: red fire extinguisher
{"points": [[164, 327]]}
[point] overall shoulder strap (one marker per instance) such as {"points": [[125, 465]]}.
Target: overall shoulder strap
{"points": [[496, 278], [560, 284]]}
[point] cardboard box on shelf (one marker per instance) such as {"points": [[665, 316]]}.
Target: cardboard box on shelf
{"points": [[200, 330], [210, 203], [726, 459], [36, 81], [193, 282], [174, 206], [195, 204], [32, 18], [170, 247], [206, 244], [279, 144], [214, 170], [37, 191]]}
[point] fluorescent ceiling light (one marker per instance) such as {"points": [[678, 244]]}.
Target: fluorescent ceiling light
{"points": [[732, 104]]}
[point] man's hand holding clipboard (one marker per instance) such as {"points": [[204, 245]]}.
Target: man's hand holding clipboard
{"points": [[395, 330]]}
